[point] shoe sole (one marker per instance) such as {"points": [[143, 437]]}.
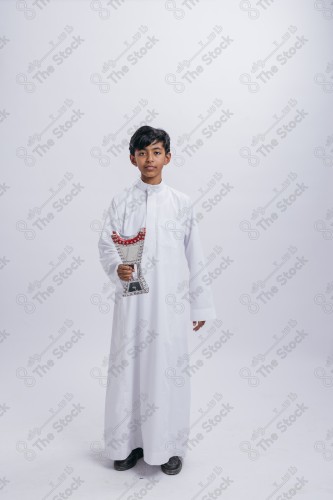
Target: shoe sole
{"points": [[171, 472], [126, 467]]}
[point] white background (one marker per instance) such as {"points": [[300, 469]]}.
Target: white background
{"points": [[162, 64]]}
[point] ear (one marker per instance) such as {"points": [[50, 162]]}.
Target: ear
{"points": [[133, 160], [167, 158]]}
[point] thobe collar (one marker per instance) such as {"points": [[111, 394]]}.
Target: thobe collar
{"points": [[144, 186]]}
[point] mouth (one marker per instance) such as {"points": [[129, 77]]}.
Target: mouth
{"points": [[149, 167]]}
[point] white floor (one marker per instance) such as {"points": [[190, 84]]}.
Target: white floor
{"points": [[40, 464]]}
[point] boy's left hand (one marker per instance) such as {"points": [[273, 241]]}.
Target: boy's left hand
{"points": [[198, 326]]}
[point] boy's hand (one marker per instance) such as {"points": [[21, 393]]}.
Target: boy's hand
{"points": [[199, 325], [125, 271]]}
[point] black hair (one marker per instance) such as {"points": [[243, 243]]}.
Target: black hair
{"points": [[146, 135]]}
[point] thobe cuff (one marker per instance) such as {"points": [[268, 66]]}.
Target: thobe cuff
{"points": [[112, 273], [202, 314]]}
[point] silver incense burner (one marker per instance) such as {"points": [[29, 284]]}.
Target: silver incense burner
{"points": [[130, 250]]}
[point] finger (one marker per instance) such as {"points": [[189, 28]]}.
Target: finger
{"points": [[199, 324], [127, 275]]}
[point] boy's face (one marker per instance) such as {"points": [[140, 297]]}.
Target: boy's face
{"points": [[151, 160]]}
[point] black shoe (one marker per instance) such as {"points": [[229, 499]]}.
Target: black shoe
{"points": [[173, 466], [130, 461]]}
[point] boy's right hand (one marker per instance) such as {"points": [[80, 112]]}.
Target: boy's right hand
{"points": [[125, 271]]}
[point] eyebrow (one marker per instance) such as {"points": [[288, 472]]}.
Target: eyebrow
{"points": [[156, 147]]}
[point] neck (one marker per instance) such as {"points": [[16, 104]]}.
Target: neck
{"points": [[153, 180]]}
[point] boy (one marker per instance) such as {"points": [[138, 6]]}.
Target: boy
{"points": [[147, 405]]}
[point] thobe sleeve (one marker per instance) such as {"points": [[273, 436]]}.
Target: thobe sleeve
{"points": [[109, 257], [202, 305]]}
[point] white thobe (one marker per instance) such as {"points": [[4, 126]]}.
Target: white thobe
{"points": [[147, 401]]}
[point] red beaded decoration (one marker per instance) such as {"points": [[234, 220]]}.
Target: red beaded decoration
{"points": [[123, 241]]}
